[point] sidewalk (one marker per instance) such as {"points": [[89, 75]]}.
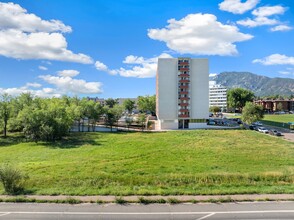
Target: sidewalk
{"points": [[180, 198]]}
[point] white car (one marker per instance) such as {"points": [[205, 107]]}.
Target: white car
{"points": [[263, 130], [257, 123]]}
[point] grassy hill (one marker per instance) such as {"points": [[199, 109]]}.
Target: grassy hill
{"points": [[176, 162], [260, 85]]}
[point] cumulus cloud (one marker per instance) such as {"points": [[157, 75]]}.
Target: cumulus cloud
{"points": [[267, 11], [13, 16], [200, 34], [262, 15], [26, 36], [63, 84], [68, 85], [33, 85], [43, 68], [69, 73], [238, 7], [276, 59], [281, 28], [100, 66], [139, 67], [44, 92]]}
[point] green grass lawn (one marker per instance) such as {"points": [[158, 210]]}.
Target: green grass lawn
{"points": [[280, 118], [165, 163]]}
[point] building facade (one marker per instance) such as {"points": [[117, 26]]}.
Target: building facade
{"points": [[273, 105], [217, 95], [182, 93]]}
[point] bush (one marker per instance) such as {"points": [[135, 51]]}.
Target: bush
{"points": [[12, 179]]}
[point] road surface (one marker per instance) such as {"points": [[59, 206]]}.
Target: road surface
{"points": [[252, 210]]}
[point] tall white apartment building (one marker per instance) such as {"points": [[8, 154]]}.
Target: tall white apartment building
{"points": [[217, 95], [182, 93]]}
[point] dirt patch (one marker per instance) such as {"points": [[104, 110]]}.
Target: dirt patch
{"points": [[289, 136]]}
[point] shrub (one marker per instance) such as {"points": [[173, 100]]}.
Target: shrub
{"points": [[12, 179]]}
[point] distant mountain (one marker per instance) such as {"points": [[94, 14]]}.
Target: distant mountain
{"points": [[260, 85]]}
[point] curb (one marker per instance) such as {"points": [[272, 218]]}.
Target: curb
{"points": [[147, 199]]}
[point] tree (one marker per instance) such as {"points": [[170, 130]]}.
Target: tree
{"points": [[280, 106], [129, 105], [109, 117], [142, 120], [5, 111], [129, 122], [111, 102], [238, 97], [147, 103], [214, 109], [252, 113]]}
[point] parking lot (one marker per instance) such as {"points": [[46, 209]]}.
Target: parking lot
{"points": [[286, 133]]}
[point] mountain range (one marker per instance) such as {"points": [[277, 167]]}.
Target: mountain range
{"points": [[260, 85]]}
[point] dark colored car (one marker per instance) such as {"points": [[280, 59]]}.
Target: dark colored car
{"points": [[275, 132], [253, 127]]}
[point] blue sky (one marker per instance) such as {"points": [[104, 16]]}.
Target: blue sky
{"points": [[110, 48]]}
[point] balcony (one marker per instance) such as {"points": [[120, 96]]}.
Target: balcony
{"points": [[184, 98], [183, 69], [184, 116], [184, 81], [183, 87], [184, 75], [183, 93], [183, 104], [184, 110], [184, 63]]}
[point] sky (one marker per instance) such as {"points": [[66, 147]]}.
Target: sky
{"points": [[109, 49]]}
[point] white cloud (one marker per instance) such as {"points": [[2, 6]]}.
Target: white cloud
{"points": [[69, 73], [200, 34], [276, 59], [237, 7], [258, 21], [68, 85], [43, 68], [62, 85], [281, 28], [26, 36], [267, 11], [100, 66], [13, 16], [261, 15], [138, 66], [33, 85], [45, 92]]}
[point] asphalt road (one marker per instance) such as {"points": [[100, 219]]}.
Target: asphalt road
{"points": [[253, 210]]}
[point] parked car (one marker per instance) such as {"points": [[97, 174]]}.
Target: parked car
{"points": [[252, 127], [257, 123], [263, 130], [275, 132]]}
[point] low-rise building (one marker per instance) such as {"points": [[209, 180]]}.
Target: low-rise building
{"points": [[276, 105]]}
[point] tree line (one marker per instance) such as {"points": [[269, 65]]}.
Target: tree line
{"points": [[51, 119]]}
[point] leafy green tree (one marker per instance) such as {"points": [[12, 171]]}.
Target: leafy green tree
{"points": [[96, 114], [238, 97], [280, 106], [252, 113], [147, 103], [142, 121], [129, 122], [111, 102], [214, 109], [129, 105], [5, 111], [110, 118]]}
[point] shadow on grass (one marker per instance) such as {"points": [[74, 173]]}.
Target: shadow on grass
{"points": [[75, 140], [11, 140]]}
